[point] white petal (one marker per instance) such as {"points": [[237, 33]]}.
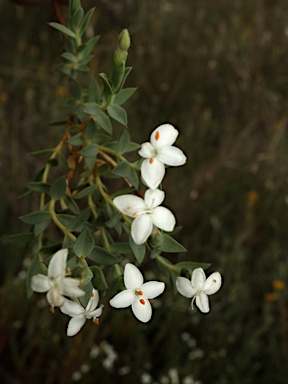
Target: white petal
{"points": [[133, 278], [75, 324], [93, 302], [142, 310], [152, 289], [198, 279], [146, 150], [153, 198], [57, 265], [163, 218], [40, 283], [171, 156], [97, 312], [123, 299], [212, 284], [54, 297], [71, 308], [152, 172], [165, 134], [184, 287], [141, 228], [202, 302], [129, 204], [70, 287]]}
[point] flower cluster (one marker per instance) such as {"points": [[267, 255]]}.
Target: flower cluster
{"points": [[148, 217], [146, 213]]}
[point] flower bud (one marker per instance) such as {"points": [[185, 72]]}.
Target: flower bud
{"points": [[120, 56], [124, 41]]}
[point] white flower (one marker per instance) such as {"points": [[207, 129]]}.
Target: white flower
{"points": [[79, 314], [199, 287], [56, 284], [146, 213], [159, 152], [137, 293]]}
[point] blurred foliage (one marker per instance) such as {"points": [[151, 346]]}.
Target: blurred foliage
{"points": [[218, 71]]}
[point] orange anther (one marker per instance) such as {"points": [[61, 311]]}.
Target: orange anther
{"points": [[157, 135], [52, 309], [92, 294], [134, 214], [142, 301], [151, 160], [96, 321], [140, 293]]}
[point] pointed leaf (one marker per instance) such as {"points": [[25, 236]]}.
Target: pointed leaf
{"points": [[84, 244], [98, 280], [138, 250], [117, 113], [63, 29], [101, 256], [58, 188], [123, 142]]}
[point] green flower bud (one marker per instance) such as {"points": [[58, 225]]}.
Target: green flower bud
{"points": [[120, 56], [124, 41]]}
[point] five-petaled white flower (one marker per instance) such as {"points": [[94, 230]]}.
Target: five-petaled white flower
{"points": [[79, 314], [56, 284], [199, 287], [146, 213], [137, 293], [159, 152]]}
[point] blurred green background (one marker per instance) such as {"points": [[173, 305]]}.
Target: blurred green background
{"points": [[217, 70]]}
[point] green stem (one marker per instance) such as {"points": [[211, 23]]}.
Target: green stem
{"points": [[107, 198], [114, 153], [105, 239], [58, 223], [166, 264]]}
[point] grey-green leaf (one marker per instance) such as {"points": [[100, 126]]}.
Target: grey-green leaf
{"points": [[84, 244]]}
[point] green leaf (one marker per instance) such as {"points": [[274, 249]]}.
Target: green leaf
{"points": [[56, 123], [138, 250], [40, 228], [100, 117], [117, 113], [39, 187], [71, 204], [101, 256], [17, 238], [86, 21], [90, 150], [123, 95], [63, 29], [87, 48], [93, 90], [76, 140], [133, 177], [117, 76], [90, 162], [86, 191], [70, 57], [113, 221], [58, 188], [122, 248], [191, 265], [84, 244], [74, 5], [168, 244], [78, 17], [122, 169], [35, 217], [98, 280], [79, 221], [43, 152], [107, 85], [123, 142]]}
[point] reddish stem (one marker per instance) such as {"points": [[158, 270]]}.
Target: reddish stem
{"points": [[58, 12]]}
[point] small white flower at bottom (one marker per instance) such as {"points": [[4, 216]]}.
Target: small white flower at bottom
{"points": [[137, 294], [79, 314], [199, 287]]}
